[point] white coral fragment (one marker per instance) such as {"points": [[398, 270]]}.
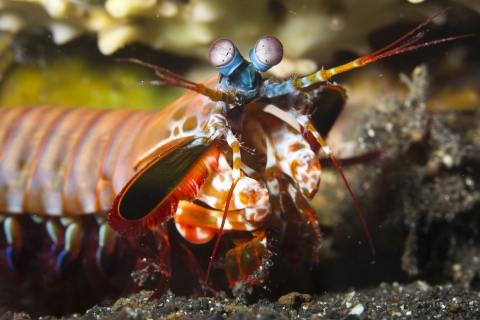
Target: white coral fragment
{"points": [[63, 32], [57, 8], [113, 38], [11, 22], [124, 8]]}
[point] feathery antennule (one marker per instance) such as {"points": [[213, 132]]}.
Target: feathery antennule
{"points": [[404, 48], [386, 52], [420, 26], [172, 79]]}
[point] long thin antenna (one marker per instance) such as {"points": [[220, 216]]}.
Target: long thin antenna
{"points": [[220, 233], [170, 78]]}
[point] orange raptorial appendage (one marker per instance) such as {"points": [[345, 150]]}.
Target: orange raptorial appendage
{"points": [[151, 197]]}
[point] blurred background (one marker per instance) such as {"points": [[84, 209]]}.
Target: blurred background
{"points": [[420, 196]]}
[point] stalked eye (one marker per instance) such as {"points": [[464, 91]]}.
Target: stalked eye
{"points": [[224, 56], [268, 52], [221, 52]]}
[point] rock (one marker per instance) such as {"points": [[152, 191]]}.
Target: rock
{"points": [[294, 299]]}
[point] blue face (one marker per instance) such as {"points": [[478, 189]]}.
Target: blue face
{"points": [[237, 74], [245, 81]]}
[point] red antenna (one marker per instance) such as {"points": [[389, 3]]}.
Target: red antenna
{"points": [[384, 52], [220, 233]]}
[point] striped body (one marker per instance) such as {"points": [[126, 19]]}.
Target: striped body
{"points": [[60, 161]]}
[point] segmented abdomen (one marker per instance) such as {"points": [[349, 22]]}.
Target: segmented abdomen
{"points": [[56, 160], [71, 161]]}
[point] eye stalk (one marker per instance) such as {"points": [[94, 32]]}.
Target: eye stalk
{"points": [[268, 52], [224, 56]]}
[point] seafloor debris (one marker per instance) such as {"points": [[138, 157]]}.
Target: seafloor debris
{"points": [[387, 301]]}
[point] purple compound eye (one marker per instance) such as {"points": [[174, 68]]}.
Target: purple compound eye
{"points": [[267, 53], [224, 56], [221, 52]]}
